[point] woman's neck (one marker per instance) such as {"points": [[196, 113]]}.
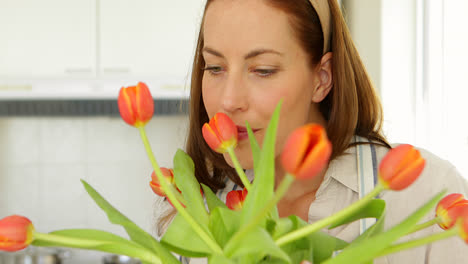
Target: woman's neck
{"points": [[298, 188]]}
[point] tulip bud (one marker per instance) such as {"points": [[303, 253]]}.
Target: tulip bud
{"points": [[400, 167], [16, 233], [306, 152], [235, 199], [136, 104], [155, 184], [220, 133], [449, 208]]}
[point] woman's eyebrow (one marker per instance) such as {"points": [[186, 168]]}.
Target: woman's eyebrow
{"points": [[257, 52], [213, 52], [250, 55]]}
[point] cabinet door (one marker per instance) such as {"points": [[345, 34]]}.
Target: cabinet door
{"points": [[148, 37], [47, 38]]}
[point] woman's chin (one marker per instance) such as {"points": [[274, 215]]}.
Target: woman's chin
{"points": [[245, 159]]}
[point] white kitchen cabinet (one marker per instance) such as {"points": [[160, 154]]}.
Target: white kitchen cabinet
{"points": [[47, 38], [148, 37], [90, 48]]}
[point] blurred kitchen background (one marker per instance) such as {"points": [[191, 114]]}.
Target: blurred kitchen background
{"points": [[62, 63]]}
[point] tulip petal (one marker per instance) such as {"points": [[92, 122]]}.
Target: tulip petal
{"points": [[449, 209], [156, 185], [235, 199], [400, 167], [16, 233], [220, 133], [392, 162], [463, 222], [295, 149], [125, 107], [306, 151], [316, 161], [225, 127], [448, 201], [157, 189], [136, 105], [453, 214], [408, 175], [232, 200], [144, 103], [211, 137]]}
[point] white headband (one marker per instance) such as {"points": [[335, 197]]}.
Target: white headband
{"points": [[323, 11]]}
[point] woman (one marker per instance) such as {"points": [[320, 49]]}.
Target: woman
{"points": [[251, 54]]}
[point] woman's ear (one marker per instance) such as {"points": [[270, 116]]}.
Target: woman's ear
{"points": [[325, 74]]}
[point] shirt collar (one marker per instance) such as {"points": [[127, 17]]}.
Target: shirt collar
{"points": [[343, 169]]}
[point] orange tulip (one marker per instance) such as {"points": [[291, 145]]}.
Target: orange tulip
{"points": [[306, 152], [400, 167], [155, 184], [16, 233], [136, 104], [235, 199], [449, 208], [463, 224], [220, 133]]}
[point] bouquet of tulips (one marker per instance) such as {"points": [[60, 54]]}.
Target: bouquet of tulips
{"points": [[247, 229]]}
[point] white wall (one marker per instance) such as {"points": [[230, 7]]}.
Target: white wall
{"points": [[365, 24], [43, 159]]}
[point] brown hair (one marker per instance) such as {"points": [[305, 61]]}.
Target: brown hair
{"points": [[351, 108]]}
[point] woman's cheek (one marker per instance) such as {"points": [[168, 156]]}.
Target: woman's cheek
{"points": [[209, 98]]}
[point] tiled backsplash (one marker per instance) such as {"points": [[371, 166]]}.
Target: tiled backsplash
{"points": [[43, 159]]}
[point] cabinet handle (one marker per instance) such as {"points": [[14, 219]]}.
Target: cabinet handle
{"points": [[116, 70], [15, 87], [78, 70]]}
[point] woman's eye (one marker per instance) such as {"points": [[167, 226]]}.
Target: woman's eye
{"points": [[265, 72], [214, 70]]}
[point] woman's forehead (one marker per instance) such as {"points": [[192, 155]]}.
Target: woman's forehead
{"points": [[246, 24]]}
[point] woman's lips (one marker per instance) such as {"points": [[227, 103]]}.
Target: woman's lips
{"points": [[242, 132]]}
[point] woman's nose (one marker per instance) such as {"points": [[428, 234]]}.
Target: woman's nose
{"points": [[235, 95]]}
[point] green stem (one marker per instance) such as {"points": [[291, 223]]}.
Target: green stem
{"points": [[309, 229], [419, 242], [239, 169], [171, 195], [280, 191], [427, 224], [130, 250]]}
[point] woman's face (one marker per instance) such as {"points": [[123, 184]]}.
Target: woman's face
{"points": [[252, 60]]}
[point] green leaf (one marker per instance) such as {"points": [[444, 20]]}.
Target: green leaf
{"points": [[184, 175], [366, 250], [263, 185], [93, 234], [315, 247], [256, 154], [181, 239], [373, 209], [272, 261], [281, 227], [219, 259], [256, 242], [299, 250], [135, 232], [375, 229], [223, 224], [254, 146], [95, 240], [211, 199], [252, 258]]}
